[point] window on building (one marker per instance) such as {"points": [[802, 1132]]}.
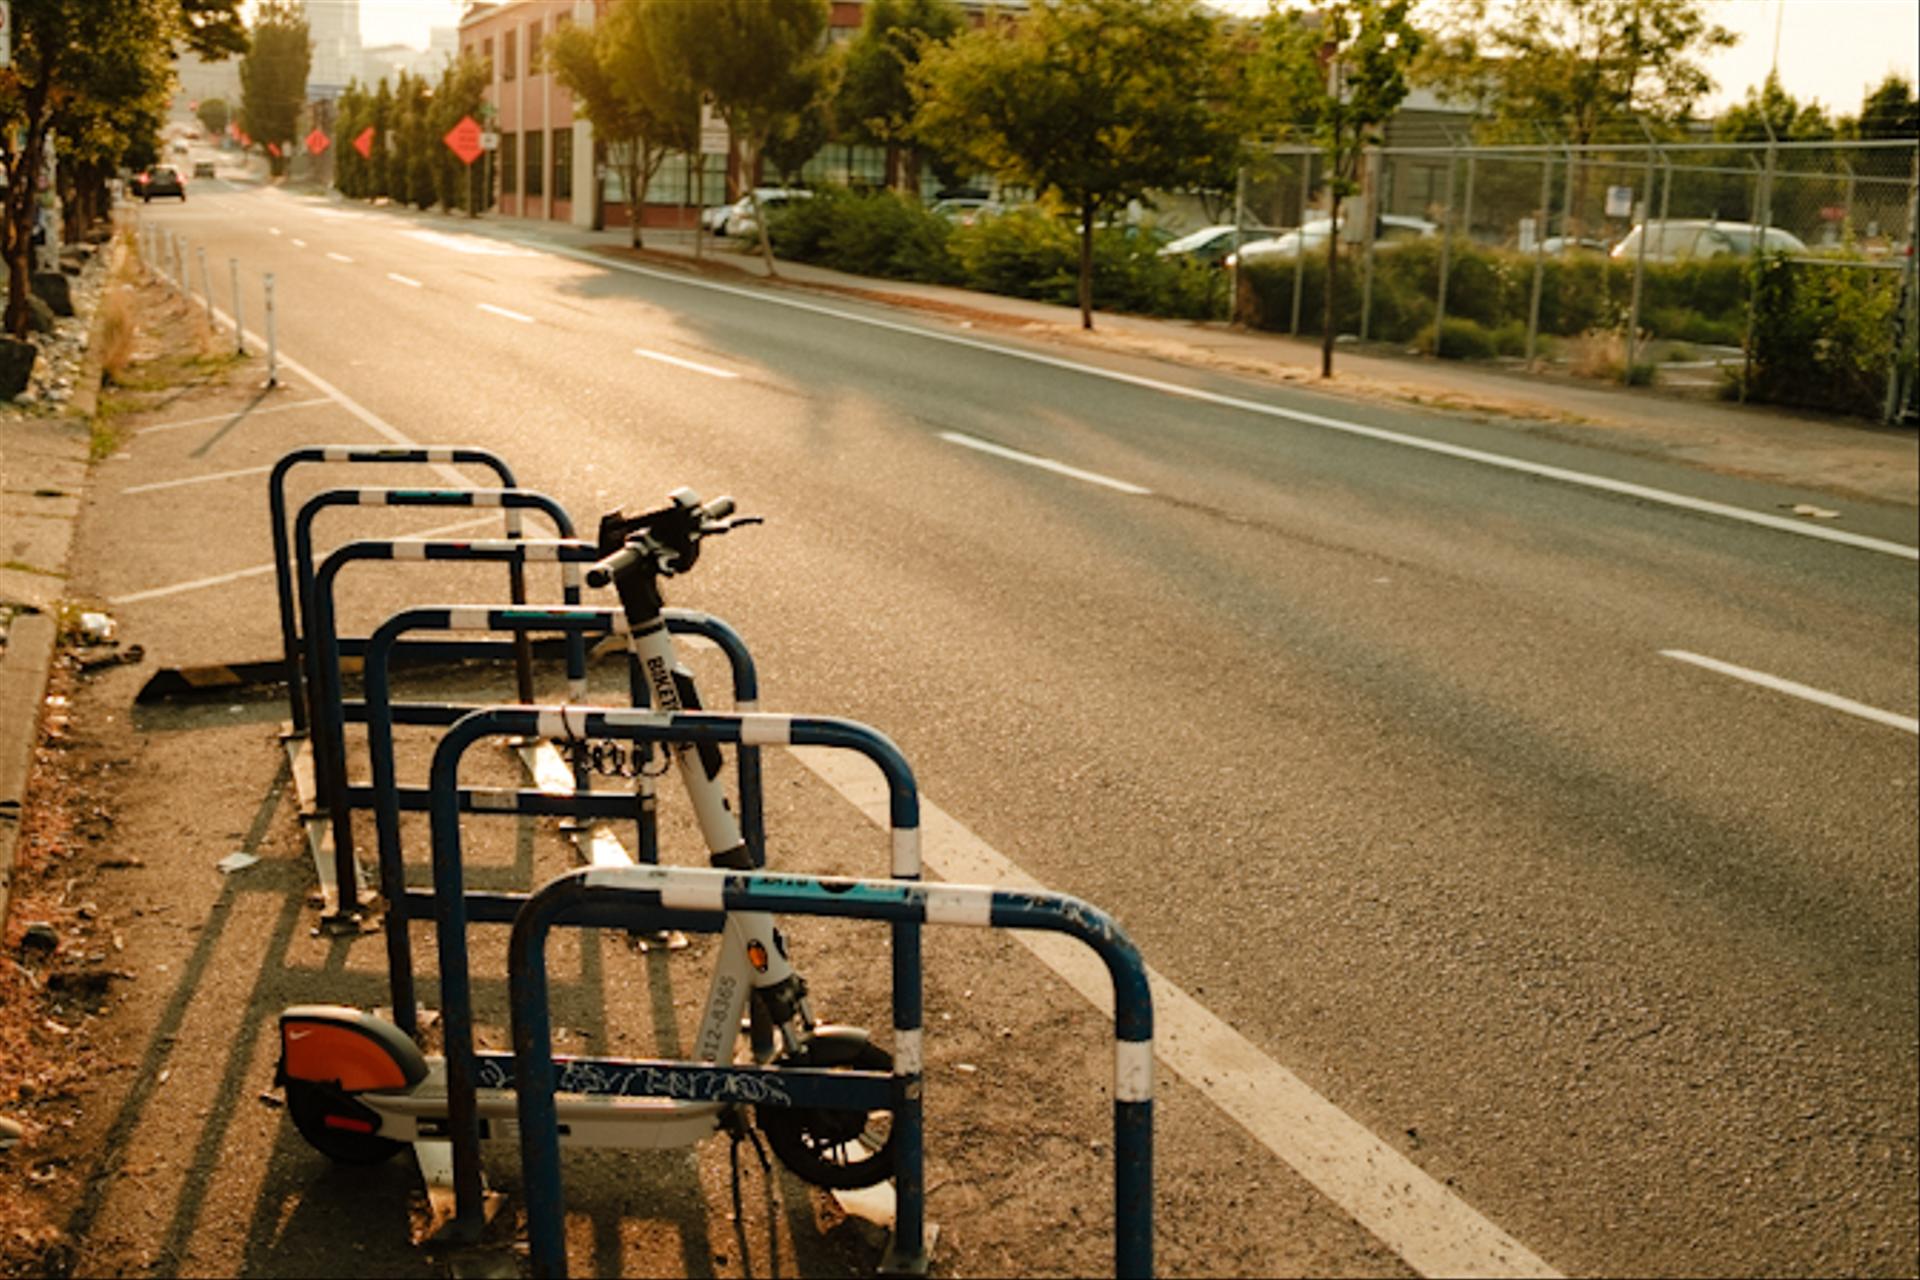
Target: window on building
{"points": [[536, 163], [509, 47], [563, 164], [533, 48], [509, 163], [486, 54]]}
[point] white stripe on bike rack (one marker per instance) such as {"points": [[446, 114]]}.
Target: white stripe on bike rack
{"points": [[906, 853], [764, 729], [242, 415], [908, 1056], [502, 311], [338, 257], [1565, 475], [254, 571], [948, 906], [1432, 1229], [1794, 689], [1133, 1071], [468, 617], [676, 361], [217, 475], [409, 281], [1035, 460]]}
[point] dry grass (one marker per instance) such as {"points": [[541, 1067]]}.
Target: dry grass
{"points": [[117, 333], [1598, 353]]}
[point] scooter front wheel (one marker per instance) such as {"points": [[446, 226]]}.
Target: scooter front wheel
{"points": [[838, 1150], [336, 1126]]}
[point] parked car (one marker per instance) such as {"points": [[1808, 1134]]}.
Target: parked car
{"points": [[740, 220], [713, 218], [964, 211], [1211, 246], [1393, 228], [1554, 246], [161, 180], [203, 169], [1684, 240]]}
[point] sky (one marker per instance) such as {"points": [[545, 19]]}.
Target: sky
{"points": [[1830, 50]]}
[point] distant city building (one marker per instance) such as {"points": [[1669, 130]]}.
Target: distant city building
{"points": [[334, 28]]}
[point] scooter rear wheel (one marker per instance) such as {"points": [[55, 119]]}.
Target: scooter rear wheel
{"points": [[838, 1150], [311, 1104]]}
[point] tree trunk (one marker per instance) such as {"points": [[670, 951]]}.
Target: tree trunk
{"points": [[1086, 266], [750, 165], [639, 178], [22, 202]]}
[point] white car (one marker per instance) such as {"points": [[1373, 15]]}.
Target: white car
{"points": [[1213, 244], [740, 220], [1394, 228], [1682, 241]]}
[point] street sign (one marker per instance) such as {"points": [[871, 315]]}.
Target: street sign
{"points": [[1619, 202], [713, 131], [490, 141], [317, 142], [364, 143], [464, 140], [6, 33]]}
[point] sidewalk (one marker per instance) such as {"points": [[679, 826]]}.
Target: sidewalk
{"points": [[1843, 457]]}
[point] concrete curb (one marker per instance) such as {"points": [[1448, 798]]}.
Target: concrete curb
{"points": [[24, 665]]}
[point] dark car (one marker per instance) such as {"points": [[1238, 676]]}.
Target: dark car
{"points": [[161, 180]]}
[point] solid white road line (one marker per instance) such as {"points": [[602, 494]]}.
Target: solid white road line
{"points": [[502, 311], [1433, 1230], [1796, 690], [397, 278], [338, 257], [1034, 460], [1565, 475], [179, 484], [676, 361], [254, 571], [229, 417]]}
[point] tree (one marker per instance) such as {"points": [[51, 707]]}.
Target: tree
{"points": [[273, 79], [462, 92], [762, 62], [1588, 67], [214, 114], [1890, 111], [1337, 79], [212, 29], [875, 100], [1091, 103], [637, 108], [1770, 112]]}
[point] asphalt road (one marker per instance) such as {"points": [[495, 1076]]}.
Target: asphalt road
{"points": [[1404, 764]]}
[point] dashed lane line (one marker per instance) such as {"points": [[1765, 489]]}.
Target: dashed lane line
{"points": [[338, 257], [679, 363], [1045, 464], [409, 281], [503, 312], [1794, 689]]}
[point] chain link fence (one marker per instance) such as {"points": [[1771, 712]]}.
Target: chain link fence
{"points": [[1779, 271]]}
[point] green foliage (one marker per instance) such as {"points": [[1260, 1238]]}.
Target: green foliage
{"points": [[1090, 103], [214, 114], [1891, 110], [1583, 65], [1769, 110], [273, 78], [213, 29], [1459, 339], [1822, 335], [875, 102]]}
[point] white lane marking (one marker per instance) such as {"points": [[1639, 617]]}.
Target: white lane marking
{"points": [[664, 358], [254, 571], [179, 484], [397, 278], [1433, 1230], [1034, 460], [229, 417], [482, 245], [273, 231], [502, 311], [1565, 475], [1794, 689], [338, 257], [299, 243]]}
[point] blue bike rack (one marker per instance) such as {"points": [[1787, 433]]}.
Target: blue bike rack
{"points": [[640, 897], [454, 907], [389, 799], [291, 649], [327, 650]]}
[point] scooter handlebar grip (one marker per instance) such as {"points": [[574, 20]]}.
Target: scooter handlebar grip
{"points": [[601, 572]]}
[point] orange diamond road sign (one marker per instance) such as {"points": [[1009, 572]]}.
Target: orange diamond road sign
{"points": [[317, 142], [464, 139], [364, 143]]}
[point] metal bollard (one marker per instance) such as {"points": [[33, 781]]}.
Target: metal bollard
{"points": [[239, 326], [273, 354], [206, 285]]}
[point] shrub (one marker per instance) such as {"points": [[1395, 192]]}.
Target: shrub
{"points": [[1510, 339], [1822, 336], [1023, 254], [1460, 339]]}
